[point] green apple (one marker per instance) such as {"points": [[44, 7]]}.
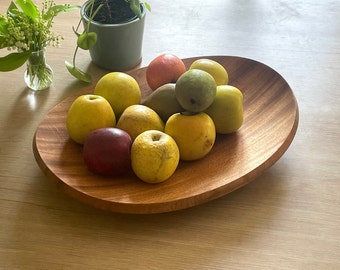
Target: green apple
{"points": [[227, 109], [195, 90]]}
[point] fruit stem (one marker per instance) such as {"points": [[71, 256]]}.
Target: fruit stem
{"points": [[156, 137], [187, 113]]}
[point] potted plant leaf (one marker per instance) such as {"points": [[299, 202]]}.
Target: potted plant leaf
{"points": [[112, 32]]}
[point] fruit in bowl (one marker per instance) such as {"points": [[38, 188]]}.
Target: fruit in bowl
{"points": [[106, 151], [214, 68], [120, 89], [165, 68], [177, 121], [163, 101], [195, 90], [87, 113], [227, 109], [194, 134], [154, 156], [138, 118]]}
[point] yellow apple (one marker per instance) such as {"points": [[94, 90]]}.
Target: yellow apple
{"points": [[87, 113], [194, 134], [154, 156], [214, 68], [120, 89], [227, 109], [138, 118]]}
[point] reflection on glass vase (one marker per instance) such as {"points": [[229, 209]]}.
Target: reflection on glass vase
{"points": [[38, 75]]}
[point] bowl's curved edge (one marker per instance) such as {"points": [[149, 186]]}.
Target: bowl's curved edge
{"points": [[169, 205], [166, 206]]}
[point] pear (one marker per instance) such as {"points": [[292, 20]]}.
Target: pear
{"points": [[163, 101]]}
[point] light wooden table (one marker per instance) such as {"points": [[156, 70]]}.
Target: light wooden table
{"points": [[288, 218]]}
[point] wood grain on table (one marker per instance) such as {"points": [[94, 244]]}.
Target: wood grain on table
{"points": [[286, 218]]}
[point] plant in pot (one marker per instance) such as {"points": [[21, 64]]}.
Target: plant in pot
{"points": [[113, 33], [26, 31]]}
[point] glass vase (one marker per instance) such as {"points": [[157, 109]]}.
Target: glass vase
{"points": [[38, 75]]}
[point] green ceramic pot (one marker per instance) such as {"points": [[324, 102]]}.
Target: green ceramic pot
{"points": [[119, 46]]}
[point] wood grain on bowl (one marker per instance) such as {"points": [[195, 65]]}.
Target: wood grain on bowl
{"points": [[270, 122]]}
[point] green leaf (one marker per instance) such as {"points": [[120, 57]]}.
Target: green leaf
{"points": [[87, 40], [77, 73], [3, 26], [148, 7], [29, 8], [13, 10], [13, 61], [57, 9], [135, 7], [2, 42]]}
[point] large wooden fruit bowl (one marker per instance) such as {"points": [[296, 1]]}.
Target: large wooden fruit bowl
{"points": [[270, 123]]}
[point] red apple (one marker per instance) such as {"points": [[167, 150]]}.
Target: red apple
{"points": [[106, 151], [165, 68]]}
